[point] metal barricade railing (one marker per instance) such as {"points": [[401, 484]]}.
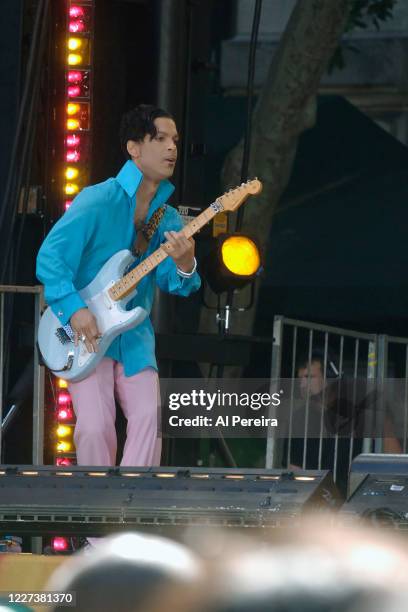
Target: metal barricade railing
{"points": [[364, 355], [38, 370], [354, 351]]}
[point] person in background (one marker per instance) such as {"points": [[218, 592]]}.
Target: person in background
{"points": [[329, 409]]}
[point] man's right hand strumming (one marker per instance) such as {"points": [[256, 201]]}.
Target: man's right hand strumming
{"points": [[84, 325]]}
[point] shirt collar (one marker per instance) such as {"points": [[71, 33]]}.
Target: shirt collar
{"points": [[130, 177]]}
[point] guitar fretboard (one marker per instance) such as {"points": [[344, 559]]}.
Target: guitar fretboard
{"points": [[125, 285]]}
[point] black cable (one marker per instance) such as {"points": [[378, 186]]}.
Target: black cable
{"points": [[10, 302], [25, 184], [21, 177], [248, 126], [20, 122], [187, 89], [13, 186], [20, 167], [33, 114], [250, 95]]}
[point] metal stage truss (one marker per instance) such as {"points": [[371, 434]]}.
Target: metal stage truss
{"points": [[96, 500]]}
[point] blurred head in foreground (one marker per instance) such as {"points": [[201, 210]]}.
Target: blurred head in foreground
{"points": [[124, 572], [313, 567]]}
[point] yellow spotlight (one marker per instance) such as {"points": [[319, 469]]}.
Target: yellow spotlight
{"points": [[62, 383], [71, 173], [74, 44], [73, 124], [73, 109], [240, 255], [71, 188], [233, 262], [63, 431], [74, 59], [63, 446]]}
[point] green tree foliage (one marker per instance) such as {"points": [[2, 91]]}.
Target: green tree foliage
{"points": [[362, 14]]}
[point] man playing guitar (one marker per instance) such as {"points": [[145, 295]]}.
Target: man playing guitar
{"points": [[125, 212]]}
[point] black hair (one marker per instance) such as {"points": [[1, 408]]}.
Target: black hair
{"points": [[116, 584], [319, 356], [138, 122]]}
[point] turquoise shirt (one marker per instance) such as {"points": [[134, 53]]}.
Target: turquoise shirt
{"points": [[98, 224]]}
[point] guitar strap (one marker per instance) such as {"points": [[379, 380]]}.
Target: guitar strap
{"points": [[146, 231]]}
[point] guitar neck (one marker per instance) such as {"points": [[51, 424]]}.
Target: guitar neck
{"points": [[127, 283]]}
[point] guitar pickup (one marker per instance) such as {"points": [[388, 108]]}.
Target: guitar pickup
{"points": [[63, 336]]}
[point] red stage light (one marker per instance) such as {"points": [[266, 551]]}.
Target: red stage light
{"points": [[67, 204], [73, 140], [78, 83], [76, 11], [65, 414], [64, 461], [74, 91], [76, 26], [64, 399], [60, 544], [73, 155], [75, 76]]}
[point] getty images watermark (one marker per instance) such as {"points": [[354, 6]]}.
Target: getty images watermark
{"points": [[236, 408], [239, 408], [222, 399]]}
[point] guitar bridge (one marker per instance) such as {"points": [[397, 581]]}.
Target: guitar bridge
{"points": [[65, 334]]}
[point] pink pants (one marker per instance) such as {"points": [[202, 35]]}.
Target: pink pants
{"points": [[94, 404]]}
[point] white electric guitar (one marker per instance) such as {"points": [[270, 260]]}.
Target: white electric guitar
{"points": [[107, 295]]}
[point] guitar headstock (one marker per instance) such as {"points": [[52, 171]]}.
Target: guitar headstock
{"points": [[232, 199]]}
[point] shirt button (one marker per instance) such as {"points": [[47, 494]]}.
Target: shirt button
{"points": [[60, 313]]}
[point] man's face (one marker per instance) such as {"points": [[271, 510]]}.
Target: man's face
{"points": [[157, 157], [311, 379]]}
